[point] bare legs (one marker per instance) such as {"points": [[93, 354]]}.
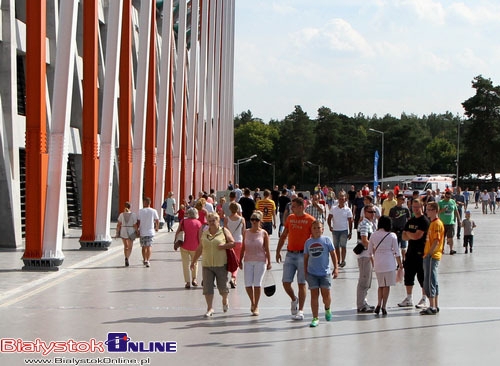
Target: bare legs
{"points": [[302, 293]]}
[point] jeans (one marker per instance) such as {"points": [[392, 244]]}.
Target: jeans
{"points": [[431, 286]]}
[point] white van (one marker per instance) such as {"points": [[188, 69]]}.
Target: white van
{"points": [[422, 183]]}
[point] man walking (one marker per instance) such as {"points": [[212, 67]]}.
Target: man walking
{"points": [[268, 208], [148, 223], [448, 214], [297, 230], [341, 229]]}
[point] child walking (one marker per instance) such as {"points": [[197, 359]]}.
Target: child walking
{"points": [[468, 226], [317, 253]]}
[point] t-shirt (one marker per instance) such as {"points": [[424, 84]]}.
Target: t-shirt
{"points": [[387, 205], [436, 231], [319, 249], [247, 207], [282, 202], [448, 216], [399, 216], [365, 228], [340, 217], [147, 217], [416, 247], [267, 207], [299, 230]]}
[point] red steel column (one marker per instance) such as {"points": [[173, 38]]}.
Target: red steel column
{"points": [[36, 132], [125, 117], [90, 163], [150, 142], [169, 174]]}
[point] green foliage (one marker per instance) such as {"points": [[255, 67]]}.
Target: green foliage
{"points": [[344, 146]]}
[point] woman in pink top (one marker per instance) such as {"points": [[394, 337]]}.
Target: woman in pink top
{"points": [[202, 211], [191, 227], [255, 253]]}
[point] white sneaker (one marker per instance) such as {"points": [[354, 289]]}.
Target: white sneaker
{"points": [[295, 307], [422, 304], [407, 302], [299, 315]]}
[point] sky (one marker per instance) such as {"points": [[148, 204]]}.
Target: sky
{"points": [[374, 57]]}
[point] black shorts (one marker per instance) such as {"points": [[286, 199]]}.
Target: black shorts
{"points": [[413, 265]]}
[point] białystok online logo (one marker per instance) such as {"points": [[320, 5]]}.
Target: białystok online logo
{"points": [[118, 342]]}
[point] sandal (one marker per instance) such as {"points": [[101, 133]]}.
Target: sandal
{"points": [[187, 285]]}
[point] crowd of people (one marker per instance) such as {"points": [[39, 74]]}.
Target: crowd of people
{"points": [[400, 238]]}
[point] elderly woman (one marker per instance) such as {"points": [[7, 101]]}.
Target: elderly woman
{"points": [[213, 244], [255, 253], [126, 229], [191, 227], [384, 248]]}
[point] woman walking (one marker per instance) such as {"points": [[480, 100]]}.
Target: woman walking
{"points": [[255, 253], [236, 226], [127, 230], [191, 227], [213, 244], [384, 248]]}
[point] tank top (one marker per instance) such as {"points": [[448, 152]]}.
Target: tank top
{"points": [[235, 228], [254, 246]]}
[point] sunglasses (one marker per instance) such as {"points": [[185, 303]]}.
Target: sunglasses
{"points": [[370, 211], [254, 219]]}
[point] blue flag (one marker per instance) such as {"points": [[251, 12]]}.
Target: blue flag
{"points": [[375, 175]]}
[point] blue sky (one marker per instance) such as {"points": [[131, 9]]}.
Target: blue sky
{"points": [[362, 56]]}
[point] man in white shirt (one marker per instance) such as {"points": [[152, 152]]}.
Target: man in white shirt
{"points": [[341, 216], [148, 223]]}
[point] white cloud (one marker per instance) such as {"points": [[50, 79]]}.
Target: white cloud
{"points": [[343, 37], [435, 62], [478, 14], [283, 8], [426, 9]]}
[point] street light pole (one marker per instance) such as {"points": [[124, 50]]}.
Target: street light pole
{"points": [[382, 170], [319, 170], [458, 151], [242, 161], [274, 170]]}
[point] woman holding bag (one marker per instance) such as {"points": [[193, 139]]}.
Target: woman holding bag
{"points": [[191, 227], [213, 244], [384, 248], [236, 225], [255, 251], [126, 229]]}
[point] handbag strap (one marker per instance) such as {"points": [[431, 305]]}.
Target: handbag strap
{"points": [[380, 243]]}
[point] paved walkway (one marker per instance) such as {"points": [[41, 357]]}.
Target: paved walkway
{"points": [[93, 294]]}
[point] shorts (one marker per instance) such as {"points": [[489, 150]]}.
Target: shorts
{"points": [[340, 238], [294, 262], [318, 281], [268, 226], [449, 231], [386, 278], [403, 244], [413, 266], [146, 241], [215, 273]]}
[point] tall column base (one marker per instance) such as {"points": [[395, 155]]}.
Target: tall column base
{"points": [[42, 264], [94, 245]]}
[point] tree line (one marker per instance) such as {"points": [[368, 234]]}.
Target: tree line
{"points": [[341, 148]]}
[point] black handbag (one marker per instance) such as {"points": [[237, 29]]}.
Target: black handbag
{"points": [[358, 249]]}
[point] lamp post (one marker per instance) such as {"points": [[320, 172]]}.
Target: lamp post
{"points": [[242, 161], [274, 169], [458, 150], [382, 170], [319, 170]]}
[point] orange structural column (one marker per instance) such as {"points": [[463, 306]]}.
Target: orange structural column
{"points": [[36, 132], [125, 118], [90, 163], [150, 142]]}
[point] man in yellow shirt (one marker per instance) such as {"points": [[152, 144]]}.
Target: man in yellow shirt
{"points": [[433, 250], [268, 209], [388, 203]]}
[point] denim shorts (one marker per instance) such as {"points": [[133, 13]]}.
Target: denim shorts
{"points": [[431, 286], [294, 262], [318, 281], [340, 238]]}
